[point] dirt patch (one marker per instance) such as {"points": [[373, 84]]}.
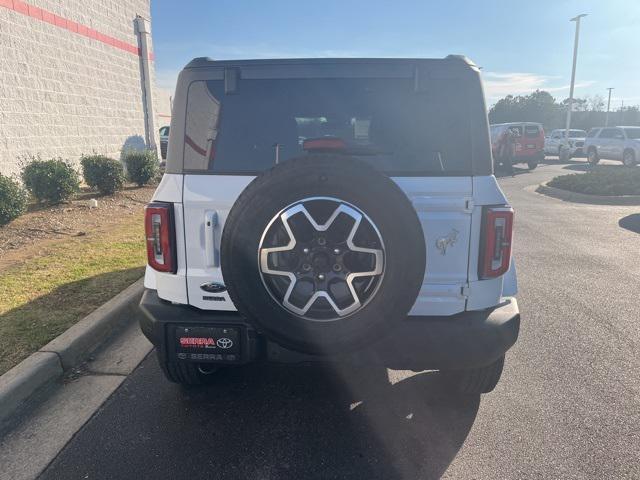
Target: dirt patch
{"points": [[41, 226]]}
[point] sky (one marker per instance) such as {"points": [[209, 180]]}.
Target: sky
{"points": [[521, 46]]}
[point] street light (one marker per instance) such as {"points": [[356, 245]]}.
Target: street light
{"points": [[606, 119], [573, 73]]}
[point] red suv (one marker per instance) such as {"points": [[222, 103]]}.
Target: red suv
{"points": [[528, 141]]}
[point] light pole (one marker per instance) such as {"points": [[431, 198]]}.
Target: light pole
{"points": [[573, 74], [606, 119]]}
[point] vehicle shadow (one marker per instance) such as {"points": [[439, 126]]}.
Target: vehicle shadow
{"points": [[579, 167], [270, 421], [32, 324], [344, 422], [631, 222], [501, 172], [554, 160]]}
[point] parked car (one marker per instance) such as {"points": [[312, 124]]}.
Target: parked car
{"points": [[555, 143], [296, 227], [529, 141], [164, 140], [613, 143]]}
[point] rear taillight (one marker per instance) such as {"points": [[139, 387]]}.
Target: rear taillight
{"points": [[161, 238], [497, 228]]}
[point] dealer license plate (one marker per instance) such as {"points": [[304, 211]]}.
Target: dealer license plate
{"points": [[207, 344]]}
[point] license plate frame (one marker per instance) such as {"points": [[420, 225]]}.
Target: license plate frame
{"points": [[219, 344]]}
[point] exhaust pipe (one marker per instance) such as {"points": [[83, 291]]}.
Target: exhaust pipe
{"points": [[207, 369]]}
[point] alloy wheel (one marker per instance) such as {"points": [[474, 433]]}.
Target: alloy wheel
{"points": [[321, 258]]}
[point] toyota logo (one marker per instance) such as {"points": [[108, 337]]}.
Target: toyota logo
{"points": [[224, 343]]}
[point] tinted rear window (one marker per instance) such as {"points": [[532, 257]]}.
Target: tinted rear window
{"points": [[516, 129], [384, 121], [531, 131]]}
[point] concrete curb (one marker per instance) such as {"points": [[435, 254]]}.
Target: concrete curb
{"points": [[575, 197], [67, 350], [24, 379]]}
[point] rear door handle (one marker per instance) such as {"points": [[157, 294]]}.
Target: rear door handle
{"points": [[212, 254]]}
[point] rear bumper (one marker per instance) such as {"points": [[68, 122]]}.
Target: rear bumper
{"points": [[466, 340]]}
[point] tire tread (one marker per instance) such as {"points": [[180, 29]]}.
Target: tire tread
{"points": [[183, 373]]}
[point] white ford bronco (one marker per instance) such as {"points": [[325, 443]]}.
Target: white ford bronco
{"points": [[331, 210]]}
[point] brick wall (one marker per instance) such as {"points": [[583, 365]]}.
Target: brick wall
{"points": [[63, 93]]}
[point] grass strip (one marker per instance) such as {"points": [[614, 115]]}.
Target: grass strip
{"points": [[44, 295]]}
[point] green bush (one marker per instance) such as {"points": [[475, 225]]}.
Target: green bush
{"points": [[142, 166], [102, 173], [50, 180], [13, 200], [603, 180]]}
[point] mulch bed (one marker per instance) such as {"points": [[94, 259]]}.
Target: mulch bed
{"points": [[42, 224]]}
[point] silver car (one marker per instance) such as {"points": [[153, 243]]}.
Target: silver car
{"points": [[555, 144], [613, 143]]}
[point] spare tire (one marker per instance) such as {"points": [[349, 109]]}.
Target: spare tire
{"points": [[323, 254]]}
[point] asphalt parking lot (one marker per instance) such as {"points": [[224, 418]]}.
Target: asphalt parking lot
{"points": [[568, 405]]}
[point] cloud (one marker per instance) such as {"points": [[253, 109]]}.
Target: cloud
{"points": [[499, 84]]}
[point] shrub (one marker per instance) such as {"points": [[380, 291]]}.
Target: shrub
{"points": [[13, 200], [103, 173], [142, 166], [50, 180], [603, 180]]}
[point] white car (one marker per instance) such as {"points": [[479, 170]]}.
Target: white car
{"points": [[613, 143], [331, 209], [555, 143]]}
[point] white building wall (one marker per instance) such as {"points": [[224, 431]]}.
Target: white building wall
{"points": [[63, 94]]}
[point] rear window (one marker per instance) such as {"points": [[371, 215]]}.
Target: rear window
{"points": [[632, 133], [516, 129], [531, 131], [385, 122]]}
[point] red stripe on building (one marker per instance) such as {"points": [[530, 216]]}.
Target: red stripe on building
{"points": [[49, 17]]}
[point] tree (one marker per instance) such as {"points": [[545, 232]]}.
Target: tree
{"points": [[541, 107], [538, 106]]}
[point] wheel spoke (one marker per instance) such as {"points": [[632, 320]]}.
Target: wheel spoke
{"points": [[306, 306]]}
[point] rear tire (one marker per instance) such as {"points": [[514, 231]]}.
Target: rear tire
{"points": [[532, 164], [188, 374], [475, 381], [592, 156], [629, 158]]}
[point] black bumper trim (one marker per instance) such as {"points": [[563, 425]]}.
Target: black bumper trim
{"points": [[466, 340]]}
